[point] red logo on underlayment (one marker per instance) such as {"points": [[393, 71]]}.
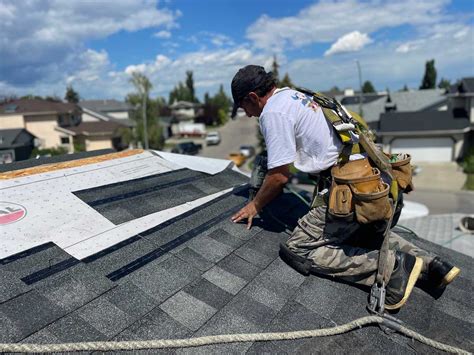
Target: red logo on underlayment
{"points": [[11, 212]]}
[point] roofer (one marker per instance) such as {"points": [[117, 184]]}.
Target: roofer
{"points": [[341, 234]]}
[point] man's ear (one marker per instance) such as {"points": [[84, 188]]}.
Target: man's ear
{"points": [[253, 97]]}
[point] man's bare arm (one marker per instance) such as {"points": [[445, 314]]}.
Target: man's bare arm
{"points": [[272, 186]]}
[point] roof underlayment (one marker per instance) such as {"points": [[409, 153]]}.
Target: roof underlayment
{"points": [[141, 247]]}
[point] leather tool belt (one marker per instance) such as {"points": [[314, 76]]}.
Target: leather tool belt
{"points": [[359, 193]]}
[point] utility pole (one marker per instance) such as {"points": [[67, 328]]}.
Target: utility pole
{"points": [[360, 87]]}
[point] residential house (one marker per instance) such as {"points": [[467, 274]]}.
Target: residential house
{"points": [[41, 118], [94, 135], [441, 132], [185, 110], [374, 104], [15, 144], [107, 110]]}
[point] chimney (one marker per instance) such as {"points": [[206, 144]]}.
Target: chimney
{"points": [[389, 105]]}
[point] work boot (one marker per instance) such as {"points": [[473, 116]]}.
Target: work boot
{"points": [[441, 273], [405, 273]]}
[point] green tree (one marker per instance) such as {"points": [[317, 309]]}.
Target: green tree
{"points": [[190, 86], [429, 79], [286, 81], [405, 88], [275, 67], [222, 102], [368, 88], [148, 129], [444, 84], [71, 95]]}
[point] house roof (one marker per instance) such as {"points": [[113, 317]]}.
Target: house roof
{"points": [[10, 138], [464, 86], [404, 100], [184, 105], [422, 121], [36, 106], [105, 105], [197, 273], [105, 117], [98, 128]]}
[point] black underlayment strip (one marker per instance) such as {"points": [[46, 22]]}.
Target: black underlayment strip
{"points": [[24, 254], [51, 270], [111, 249], [145, 191], [147, 258], [128, 182]]}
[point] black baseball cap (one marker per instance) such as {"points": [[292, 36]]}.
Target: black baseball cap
{"points": [[245, 81]]}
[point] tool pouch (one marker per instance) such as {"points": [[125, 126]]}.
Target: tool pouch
{"points": [[402, 171], [358, 189], [340, 202], [372, 206]]}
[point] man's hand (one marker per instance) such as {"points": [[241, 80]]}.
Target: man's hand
{"points": [[248, 212], [271, 188]]}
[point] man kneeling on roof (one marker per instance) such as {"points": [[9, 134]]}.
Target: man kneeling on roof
{"points": [[342, 233]]}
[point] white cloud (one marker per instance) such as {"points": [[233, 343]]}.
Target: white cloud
{"points": [[385, 66], [38, 37], [407, 47], [328, 20], [162, 34], [350, 42]]}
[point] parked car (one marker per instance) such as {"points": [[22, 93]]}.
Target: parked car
{"points": [[237, 158], [187, 148], [247, 150], [213, 138]]}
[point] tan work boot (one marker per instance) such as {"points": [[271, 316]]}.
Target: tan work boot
{"points": [[404, 276]]}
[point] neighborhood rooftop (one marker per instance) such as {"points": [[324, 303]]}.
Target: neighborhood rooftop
{"points": [[145, 249]]}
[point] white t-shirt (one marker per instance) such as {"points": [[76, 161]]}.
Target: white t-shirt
{"points": [[296, 131]]}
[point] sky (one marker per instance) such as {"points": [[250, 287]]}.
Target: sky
{"points": [[95, 46]]}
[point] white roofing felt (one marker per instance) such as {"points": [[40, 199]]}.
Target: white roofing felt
{"points": [[50, 212], [205, 165]]}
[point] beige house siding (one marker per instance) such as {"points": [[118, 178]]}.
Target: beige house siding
{"points": [[94, 143], [11, 121], [42, 126]]}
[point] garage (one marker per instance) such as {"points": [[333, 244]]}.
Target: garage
{"points": [[436, 149]]}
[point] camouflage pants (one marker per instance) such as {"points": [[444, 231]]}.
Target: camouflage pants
{"points": [[346, 250]]}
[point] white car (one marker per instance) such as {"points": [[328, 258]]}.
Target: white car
{"points": [[213, 138], [247, 150]]}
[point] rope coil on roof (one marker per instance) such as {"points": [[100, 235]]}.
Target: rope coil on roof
{"points": [[227, 338]]}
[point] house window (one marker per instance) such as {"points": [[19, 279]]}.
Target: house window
{"points": [[64, 140]]}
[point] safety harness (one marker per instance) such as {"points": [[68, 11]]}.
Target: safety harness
{"points": [[357, 138]]}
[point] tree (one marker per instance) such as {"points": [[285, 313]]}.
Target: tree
{"points": [[275, 67], [429, 79], [444, 84], [368, 88], [405, 88], [286, 81], [143, 86], [190, 86], [71, 95]]}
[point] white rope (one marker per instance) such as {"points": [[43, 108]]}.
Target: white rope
{"points": [[220, 339]]}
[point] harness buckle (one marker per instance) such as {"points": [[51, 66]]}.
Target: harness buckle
{"points": [[377, 299]]}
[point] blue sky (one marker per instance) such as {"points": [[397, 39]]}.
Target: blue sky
{"points": [[96, 45]]}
